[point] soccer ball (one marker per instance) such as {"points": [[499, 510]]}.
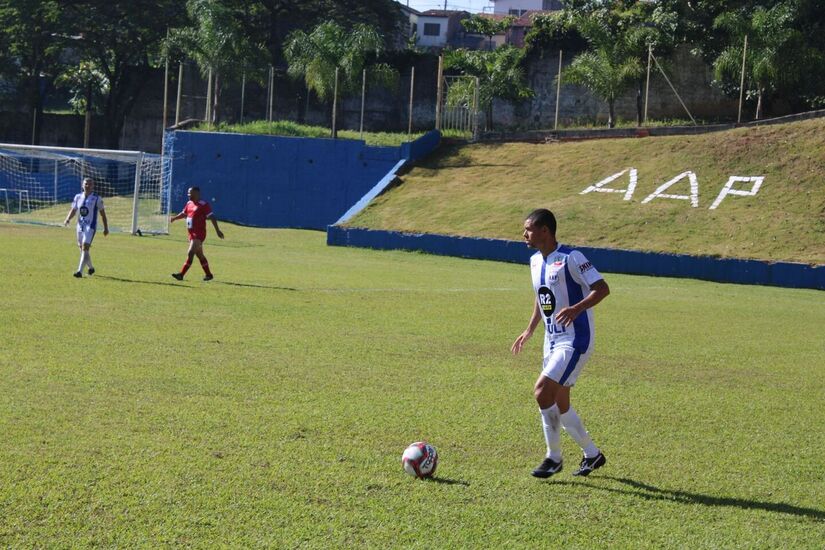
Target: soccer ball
{"points": [[420, 459]]}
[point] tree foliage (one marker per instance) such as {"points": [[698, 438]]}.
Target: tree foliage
{"points": [[777, 56], [500, 72], [315, 56], [487, 26]]}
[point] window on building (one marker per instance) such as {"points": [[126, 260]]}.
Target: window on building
{"points": [[432, 29], [552, 5], [517, 12]]}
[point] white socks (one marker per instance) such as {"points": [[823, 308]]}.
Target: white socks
{"points": [[85, 259], [552, 431], [573, 425]]}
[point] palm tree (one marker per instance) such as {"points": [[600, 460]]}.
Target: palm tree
{"points": [[777, 54], [315, 57], [216, 41], [500, 72], [611, 65]]}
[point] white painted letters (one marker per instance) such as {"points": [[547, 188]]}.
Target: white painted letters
{"points": [[727, 189], [694, 190], [628, 193], [660, 191]]}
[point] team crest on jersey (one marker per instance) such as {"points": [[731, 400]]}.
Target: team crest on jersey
{"points": [[547, 301], [84, 211], [558, 260]]}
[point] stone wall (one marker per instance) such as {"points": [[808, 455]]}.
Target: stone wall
{"points": [[387, 110]]}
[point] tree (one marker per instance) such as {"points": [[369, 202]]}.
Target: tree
{"points": [[487, 26], [500, 72], [314, 57], [612, 63], [217, 42], [121, 40], [777, 57], [32, 40]]}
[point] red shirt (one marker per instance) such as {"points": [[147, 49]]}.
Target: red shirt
{"points": [[196, 213]]}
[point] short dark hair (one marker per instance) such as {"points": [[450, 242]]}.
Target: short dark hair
{"points": [[543, 217], [195, 188]]}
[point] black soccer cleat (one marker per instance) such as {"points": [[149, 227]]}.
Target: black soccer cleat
{"points": [[78, 274], [178, 276], [589, 464], [547, 468], [208, 277], [91, 271]]}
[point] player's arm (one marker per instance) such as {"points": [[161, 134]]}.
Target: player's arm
{"points": [[105, 221], [178, 216], [69, 217], [598, 292], [528, 332], [214, 221]]}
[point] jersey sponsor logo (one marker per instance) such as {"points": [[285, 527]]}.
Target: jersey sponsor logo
{"points": [[585, 266], [547, 301], [84, 210]]}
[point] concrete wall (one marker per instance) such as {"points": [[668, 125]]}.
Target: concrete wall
{"points": [[784, 274], [690, 76], [269, 181]]}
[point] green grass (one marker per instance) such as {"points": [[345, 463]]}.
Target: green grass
{"points": [[487, 189], [293, 129], [270, 407]]}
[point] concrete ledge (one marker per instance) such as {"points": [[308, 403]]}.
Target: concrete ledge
{"points": [[581, 134], [755, 272]]}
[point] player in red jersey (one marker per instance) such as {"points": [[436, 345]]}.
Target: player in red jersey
{"points": [[196, 213]]}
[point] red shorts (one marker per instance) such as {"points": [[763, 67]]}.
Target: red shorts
{"points": [[199, 236]]}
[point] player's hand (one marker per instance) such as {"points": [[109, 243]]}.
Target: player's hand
{"points": [[520, 341], [220, 233], [567, 315], [172, 219], [105, 231]]}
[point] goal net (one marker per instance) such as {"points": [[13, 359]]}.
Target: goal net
{"points": [[37, 185]]}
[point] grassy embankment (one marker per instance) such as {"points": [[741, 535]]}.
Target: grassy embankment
{"points": [[486, 190]]}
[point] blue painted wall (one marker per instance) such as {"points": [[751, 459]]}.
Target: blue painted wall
{"points": [[785, 274], [268, 181]]}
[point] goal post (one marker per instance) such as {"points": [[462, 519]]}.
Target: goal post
{"points": [[37, 185]]}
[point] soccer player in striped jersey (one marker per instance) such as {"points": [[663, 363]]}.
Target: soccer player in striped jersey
{"points": [[567, 287], [87, 205], [196, 212]]}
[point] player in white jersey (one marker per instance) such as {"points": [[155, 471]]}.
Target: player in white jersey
{"points": [[567, 286], [87, 205]]}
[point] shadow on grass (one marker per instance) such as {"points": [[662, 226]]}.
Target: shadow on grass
{"points": [[651, 492], [446, 481], [121, 280], [249, 285]]}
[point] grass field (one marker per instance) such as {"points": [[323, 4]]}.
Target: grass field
{"points": [[270, 407], [479, 190]]}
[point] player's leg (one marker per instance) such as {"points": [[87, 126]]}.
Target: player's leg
{"points": [[190, 255], [563, 373], [204, 262], [84, 252], [546, 393], [88, 237], [87, 247]]}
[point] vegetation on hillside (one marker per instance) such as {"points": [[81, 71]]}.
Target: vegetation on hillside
{"points": [[485, 190]]}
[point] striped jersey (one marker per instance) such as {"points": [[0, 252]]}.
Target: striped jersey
{"points": [[87, 208], [561, 280]]}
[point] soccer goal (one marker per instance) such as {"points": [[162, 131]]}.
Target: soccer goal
{"points": [[37, 185]]}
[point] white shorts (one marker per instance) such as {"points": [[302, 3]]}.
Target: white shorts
{"points": [[85, 235], [564, 364]]}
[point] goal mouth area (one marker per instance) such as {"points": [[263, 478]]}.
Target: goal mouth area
{"points": [[38, 185]]}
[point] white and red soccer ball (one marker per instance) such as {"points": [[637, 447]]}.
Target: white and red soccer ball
{"points": [[420, 459]]}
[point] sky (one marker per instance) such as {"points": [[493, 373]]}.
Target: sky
{"points": [[472, 6]]}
